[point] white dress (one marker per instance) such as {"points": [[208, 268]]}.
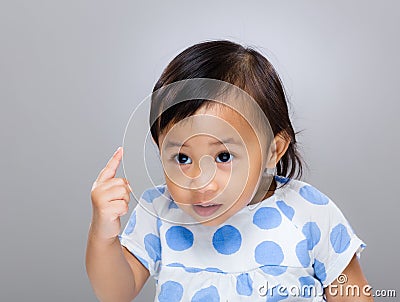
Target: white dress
{"points": [[287, 247]]}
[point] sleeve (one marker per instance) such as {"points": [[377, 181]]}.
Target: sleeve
{"points": [[338, 242], [141, 235]]}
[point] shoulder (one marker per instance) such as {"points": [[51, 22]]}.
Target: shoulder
{"points": [[302, 202], [300, 191]]}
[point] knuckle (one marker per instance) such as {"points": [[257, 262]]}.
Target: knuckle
{"points": [[121, 190], [94, 195], [94, 186], [125, 210], [99, 200], [121, 181]]}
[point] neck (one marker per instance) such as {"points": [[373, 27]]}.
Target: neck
{"points": [[262, 192]]}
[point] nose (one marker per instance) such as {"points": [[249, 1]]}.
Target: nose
{"points": [[205, 193], [209, 188], [203, 176]]}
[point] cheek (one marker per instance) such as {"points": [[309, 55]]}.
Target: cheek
{"points": [[178, 194], [249, 176], [247, 171]]}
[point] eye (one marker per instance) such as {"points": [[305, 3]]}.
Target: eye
{"points": [[224, 157], [182, 159]]}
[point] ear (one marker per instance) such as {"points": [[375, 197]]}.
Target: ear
{"points": [[278, 148]]}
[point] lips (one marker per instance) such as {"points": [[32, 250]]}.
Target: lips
{"points": [[205, 204], [206, 209]]}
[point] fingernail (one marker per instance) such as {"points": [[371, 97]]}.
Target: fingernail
{"points": [[117, 150]]}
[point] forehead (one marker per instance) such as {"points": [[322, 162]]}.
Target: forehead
{"points": [[217, 120], [225, 113]]}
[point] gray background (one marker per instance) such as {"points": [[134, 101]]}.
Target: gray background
{"points": [[71, 72]]}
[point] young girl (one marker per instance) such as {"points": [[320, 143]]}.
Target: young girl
{"points": [[219, 230]]}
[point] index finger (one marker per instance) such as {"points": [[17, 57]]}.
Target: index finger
{"points": [[111, 167]]}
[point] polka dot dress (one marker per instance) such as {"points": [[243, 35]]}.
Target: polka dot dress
{"points": [[286, 248]]}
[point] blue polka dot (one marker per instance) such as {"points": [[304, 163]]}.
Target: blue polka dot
{"points": [[209, 294], [152, 245], [244, 285], [340, 238], [281, 179], [214, 270], [277, 293], [227, 240], [267, 218], [312, 233], [190, 269], [159, 223], [302, 253], [170, 291], [319, 269], [313, 195], [287, 210], [172, 205], [176, 264], [274, 270], [131, 224], [307, 286], [186, 268], [193, 269], [179, 238], [150, 194], [268, 253]]}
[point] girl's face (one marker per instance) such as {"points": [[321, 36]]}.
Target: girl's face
{"points": [[212, 163]]}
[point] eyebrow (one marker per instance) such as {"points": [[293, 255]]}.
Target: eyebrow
{"points": [[226, 141]]}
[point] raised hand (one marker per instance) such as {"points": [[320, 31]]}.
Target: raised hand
{"points": [[110, 198]]}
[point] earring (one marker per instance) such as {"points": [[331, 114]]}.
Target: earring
{"points": [[269, 171], [264, 186]]}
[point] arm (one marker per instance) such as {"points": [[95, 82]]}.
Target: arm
{"points": [[115, 274], [339, 291]]}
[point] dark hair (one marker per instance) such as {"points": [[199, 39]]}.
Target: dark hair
{"points": [[243, 67]]}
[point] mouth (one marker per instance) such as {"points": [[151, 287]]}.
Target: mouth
{"points": [[206, 209]]}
